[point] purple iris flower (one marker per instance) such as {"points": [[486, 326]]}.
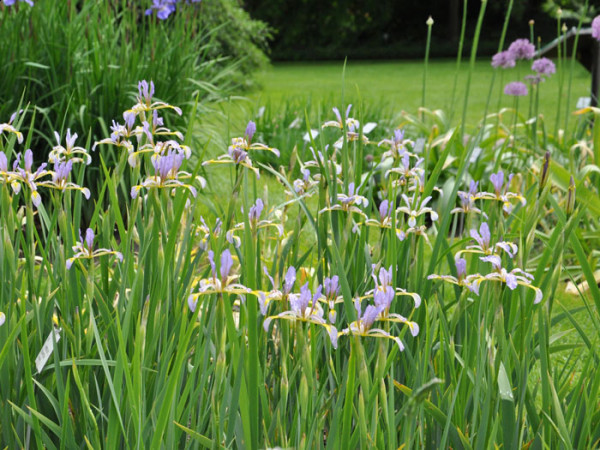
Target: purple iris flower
{"points": [[483, 237], [369, 316], [12, 2], [89, 239], [250, 130], [299, 303], [461, 267], [62, 171], [383, 210], [226, 264], [163, 8], [332, 287], [290, 279], [3, 162], [256, 210]]}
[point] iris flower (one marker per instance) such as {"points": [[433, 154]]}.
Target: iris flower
{"points": [[349, 202], [60, 176], [10, 129], [276, 294], [415, 208], [255, 223], [363, 326], [484, 246], [501, 192], [222, 284], [167, 175], [70, 152], [512, 279], [238, 151], [409, 173], [462, 279], [84, 249], [397, 145], [305, 308], [25, 175], [144, 100]]}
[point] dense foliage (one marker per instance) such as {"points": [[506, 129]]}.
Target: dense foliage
{"points": [[77, 62], [369, 29]]}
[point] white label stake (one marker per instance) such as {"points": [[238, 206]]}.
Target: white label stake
{"points": [[46, 351]]}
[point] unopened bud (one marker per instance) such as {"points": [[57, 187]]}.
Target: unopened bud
{"points": [[545, 171], [559, 12], [531, 22], [564, 28], [570, 206], [429, 21]]}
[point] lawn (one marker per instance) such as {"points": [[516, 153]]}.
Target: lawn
{"points": [[397, 86]]}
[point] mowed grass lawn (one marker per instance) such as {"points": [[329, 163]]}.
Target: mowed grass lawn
{"points": [[397, 85]]}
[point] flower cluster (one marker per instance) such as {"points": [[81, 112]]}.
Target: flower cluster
{"points": [[523, 49], [492, 253]]}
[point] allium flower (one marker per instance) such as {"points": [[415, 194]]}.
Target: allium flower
{"points": [[415, 208], [84, 249], [596, 28], [215, 285], [238, 151], [167, 175], [543, 66], [504, 60], [70, 152], [305, 308], [60, 177], [10, 129], [516, 89], [512, 279], [522, 49]]}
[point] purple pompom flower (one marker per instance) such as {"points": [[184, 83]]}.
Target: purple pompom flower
{"points": [[522, 49], [596, 28], [516, 88], [543, 66], [504, 60]]}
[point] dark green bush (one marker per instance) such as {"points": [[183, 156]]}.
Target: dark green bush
{"points": [[78, 62]]}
